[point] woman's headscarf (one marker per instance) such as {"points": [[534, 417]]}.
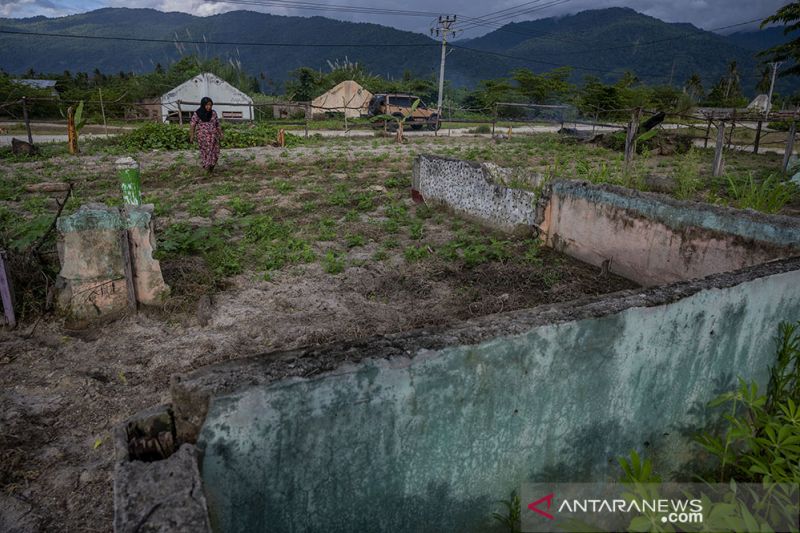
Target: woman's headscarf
{"points": [[204, 115]]}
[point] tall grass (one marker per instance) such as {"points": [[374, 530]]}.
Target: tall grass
{"points": [[769, 195]]}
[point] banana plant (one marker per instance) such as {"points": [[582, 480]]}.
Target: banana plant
{"points": [[399, 121], [75, 123]]}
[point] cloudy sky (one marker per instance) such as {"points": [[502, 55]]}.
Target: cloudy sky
{"points": [[417, 15]]}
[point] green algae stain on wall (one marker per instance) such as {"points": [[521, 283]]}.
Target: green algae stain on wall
{"points": [[432, 442]]}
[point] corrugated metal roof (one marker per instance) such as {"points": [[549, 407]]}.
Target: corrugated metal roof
{"points": [[37, 84]]}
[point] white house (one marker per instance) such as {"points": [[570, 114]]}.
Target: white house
{"points": [[229, 102]]}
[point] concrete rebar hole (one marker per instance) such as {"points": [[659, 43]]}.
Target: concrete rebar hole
{"points": [[151, 439]]}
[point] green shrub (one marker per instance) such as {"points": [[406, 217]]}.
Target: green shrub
{"points": [[332, 263], [155, 136], [415, 253], [166, 136]]}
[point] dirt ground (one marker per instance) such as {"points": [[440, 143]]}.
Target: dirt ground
{"points": [[394, 266]]}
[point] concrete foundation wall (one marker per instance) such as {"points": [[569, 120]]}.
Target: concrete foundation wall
{"points": [[478, 191], [436, 426], [649, 238], [652, 239]]}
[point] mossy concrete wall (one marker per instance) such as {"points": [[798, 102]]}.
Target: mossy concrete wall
{"points": [[653, 239], [432, 428]]}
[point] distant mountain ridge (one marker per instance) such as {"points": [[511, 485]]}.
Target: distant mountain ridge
{"points": [[604, 43]]}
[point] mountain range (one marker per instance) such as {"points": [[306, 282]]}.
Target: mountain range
{"points": [[602, 43]]}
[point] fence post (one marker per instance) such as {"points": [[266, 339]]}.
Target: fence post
{"points": [[6, 294], [758, 137], [718, 162], [308, 112], [733, 127], [27, 118], [494, 118], [630, 143], [789, 146], [72, 134], [103, 110], [708, 133]]}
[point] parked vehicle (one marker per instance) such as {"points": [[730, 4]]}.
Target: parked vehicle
{"points": [[400, 105]]}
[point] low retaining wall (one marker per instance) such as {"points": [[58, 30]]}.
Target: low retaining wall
{"points": [[427, 430], [478, 190], [649, 238], [654, 239]]}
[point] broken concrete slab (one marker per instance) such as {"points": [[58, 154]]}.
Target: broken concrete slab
{"points": [[91, 284], [163, 496], [149, 282], [94, 246]]}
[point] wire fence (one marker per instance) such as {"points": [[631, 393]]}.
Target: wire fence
{"points": [[721, 129]]}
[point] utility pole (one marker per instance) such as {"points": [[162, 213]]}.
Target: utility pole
{"points": [[443, 29], [775, 65]]}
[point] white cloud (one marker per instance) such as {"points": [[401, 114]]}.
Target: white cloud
{"points": [[30, 8], [706, 14]]}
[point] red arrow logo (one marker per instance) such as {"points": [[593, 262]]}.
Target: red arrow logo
{"points": [[534, 506]]}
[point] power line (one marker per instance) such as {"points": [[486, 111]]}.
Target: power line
{"points": [[308, 45], [221, 43], [687, 35], [497, 18], [528, 60], [314, 6]]}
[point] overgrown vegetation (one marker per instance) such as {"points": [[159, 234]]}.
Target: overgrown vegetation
{"points": [[158, 136]]}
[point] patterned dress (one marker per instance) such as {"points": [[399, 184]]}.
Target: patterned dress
{"points": [[208, 134]]}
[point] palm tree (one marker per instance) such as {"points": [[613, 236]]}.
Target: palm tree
{"points": [[789, 15], [694, 87]]}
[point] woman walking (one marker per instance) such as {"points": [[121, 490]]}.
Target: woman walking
{"points": [[209, 133]]}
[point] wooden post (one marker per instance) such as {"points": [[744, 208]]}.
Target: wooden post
{"points": [[6, 294], [72, 133], [27, 119], [758, 137], [708, 133], [630, 139], [494, 119], [718, 162], [103, 110], [180, 113], [308, 112], [125, 245], [733, 127], [789, 146]]}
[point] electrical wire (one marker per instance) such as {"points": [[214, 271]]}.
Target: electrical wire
{"points": [[225, 43]]}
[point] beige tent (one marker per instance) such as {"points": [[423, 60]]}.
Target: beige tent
{"points": [[348, 97]]}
